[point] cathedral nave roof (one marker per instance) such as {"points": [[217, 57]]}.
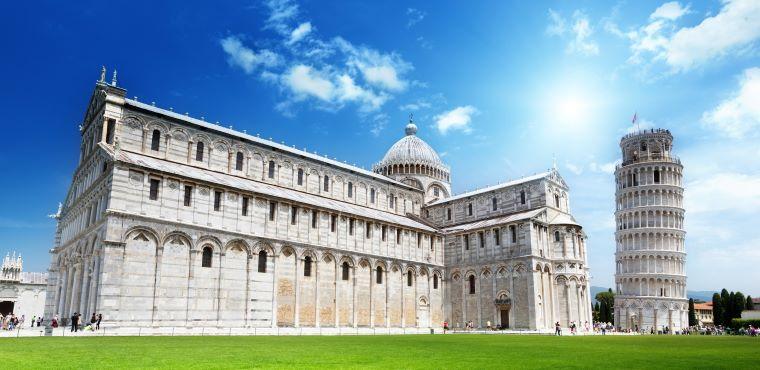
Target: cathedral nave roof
{"points": [[494, 221]]}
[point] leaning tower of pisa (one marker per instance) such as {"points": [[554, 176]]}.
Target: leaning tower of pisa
{"points": [[650, 258]]}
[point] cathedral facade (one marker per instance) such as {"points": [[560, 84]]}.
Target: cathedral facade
{"points": [[173, 222]]}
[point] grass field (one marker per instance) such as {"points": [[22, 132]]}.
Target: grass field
{"points": [[410, 351]]}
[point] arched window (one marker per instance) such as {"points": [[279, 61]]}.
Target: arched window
{"points": [[436, 192], [307, 266], [556, 200], [345, 270], [206, 260], [372, 195], [199, 151], [350, 189], [326, 186], [435, 281], [239, 161], [300, 176], [263, 261], [271, 169], [472, 284], [408, 278], [155, 141], [522, 197], [379, 275], [556, 236]]}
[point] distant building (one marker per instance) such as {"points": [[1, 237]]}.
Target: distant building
{"points": [[21, 293], [704, 313]]}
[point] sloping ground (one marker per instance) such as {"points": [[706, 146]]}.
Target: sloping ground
{"points": [[410, 351]]}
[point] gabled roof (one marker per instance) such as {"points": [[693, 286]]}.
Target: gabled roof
{"points": [[494, 221], [491, 188], [563, 219], [268, 143], [255, 187]]}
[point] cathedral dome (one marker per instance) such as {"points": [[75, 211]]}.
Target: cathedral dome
{"points": [[413, 157], [411, 150]]}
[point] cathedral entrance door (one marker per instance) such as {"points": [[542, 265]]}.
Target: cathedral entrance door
{"points": [[6, 307], [505, 318]]}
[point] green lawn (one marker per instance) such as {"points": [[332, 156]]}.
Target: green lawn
{"points": [[410, 351]]}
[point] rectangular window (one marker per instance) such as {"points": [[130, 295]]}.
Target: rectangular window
{"points": [[384, 231], [245, 206], [300, 176], [293, 215], [372, 196], [154, 184], [419, 239], [350, 189], [431, 242], [513, 233], [466, 242], [109, 130], [333, 223], [481, 239], [494, 204], [217, 200], [350, 226], [314, 214], [469, 209], [272, 210], [368, 230], [496, 237], [656, 176], [188, 195], [448, 214], [398, 236], [327, 183], [390, 201]]}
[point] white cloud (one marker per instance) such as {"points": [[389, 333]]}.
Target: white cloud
{"points": [[244, 57], [556, 25], [280, 12], [458, 118], [415, 16], [672, 11], [607, 168], [733, 29], [582, 30], [739, 115], [379, 121], [304, 81], [574, 168], [378, 69], [415, 106], [300, 32], [723, 192]]}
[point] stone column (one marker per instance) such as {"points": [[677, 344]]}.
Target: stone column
{"points": [[297, 285], [337, 266], [403, 298], [387, 291], [156, 283], [274, 285], [316, 263], [371, 297], [63, 291], [353, 296], [477, 295]]}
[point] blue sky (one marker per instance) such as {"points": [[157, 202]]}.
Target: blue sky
{"points": [[498, 88]]}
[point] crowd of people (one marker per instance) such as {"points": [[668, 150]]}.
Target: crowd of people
{"points": [[13, 322]]}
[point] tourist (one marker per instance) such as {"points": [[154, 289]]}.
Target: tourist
{"points": [[74, 322], [100, 317], [39, 321], [93, 320], [557, 329], [488, 324], [34, 319], [54, 323]]}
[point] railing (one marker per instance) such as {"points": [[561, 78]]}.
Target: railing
{"points": [[643, 132], [650, 158]]}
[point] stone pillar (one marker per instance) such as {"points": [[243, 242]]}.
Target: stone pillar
{"points": [[62, 291], [371, 297], [387, 291], [353, 296], [274, 281], [297, 285], [477, 295], [403, 298], [316, 263]]}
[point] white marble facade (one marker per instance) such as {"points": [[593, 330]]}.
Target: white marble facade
{"points": [[174, 222], [21, 293], [650, 274]]}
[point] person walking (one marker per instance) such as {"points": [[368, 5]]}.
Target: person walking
{"points": [[97, 323], [34, 318], [557, 329]]}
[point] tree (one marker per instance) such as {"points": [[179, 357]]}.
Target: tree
{"points": [[750, 305], [717, 309], [692, 313], [725, 304], [606, 302], [738, 305]]}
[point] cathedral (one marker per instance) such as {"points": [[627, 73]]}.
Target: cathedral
{"points": [[174, 223]]}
